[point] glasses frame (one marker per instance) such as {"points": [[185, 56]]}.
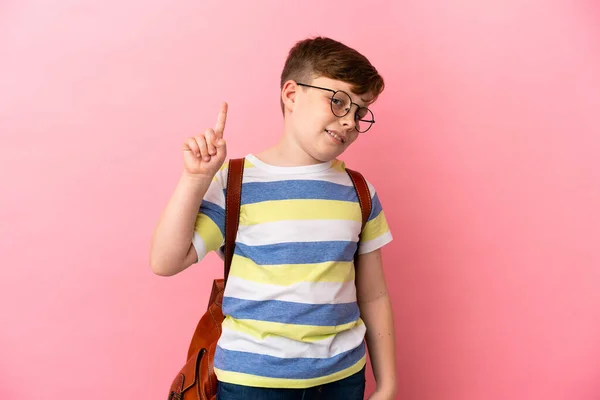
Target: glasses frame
{"points": [[370, 121]]}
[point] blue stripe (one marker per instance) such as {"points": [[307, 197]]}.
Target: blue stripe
{"points": [[286, 368], [287, 312], [375, 207], [298, 252], [255, 192], [215, 213]]}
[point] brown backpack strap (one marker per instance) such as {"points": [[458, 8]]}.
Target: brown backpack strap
{"points": [[364, 195], [233, 199]]}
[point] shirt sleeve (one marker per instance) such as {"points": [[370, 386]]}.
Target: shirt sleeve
{"points": [[209, 229], [376, 233]]}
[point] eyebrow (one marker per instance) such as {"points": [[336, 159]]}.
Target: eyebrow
{"points": [[365, 102]]}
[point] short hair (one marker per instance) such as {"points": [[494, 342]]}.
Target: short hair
{"points": [[321, 56]]}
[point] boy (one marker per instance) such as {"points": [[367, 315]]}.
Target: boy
{"points": [[296, 307]]}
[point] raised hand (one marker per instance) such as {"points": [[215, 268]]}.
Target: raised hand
{"points": [[204, 155]]}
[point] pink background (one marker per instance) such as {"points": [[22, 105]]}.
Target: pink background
{"points": [[485, 155]]}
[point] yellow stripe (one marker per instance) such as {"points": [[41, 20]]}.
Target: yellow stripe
{"points": [[288, 274], [247, 164], [209, 232], [282, 210], [301, 333], [238, 378], [375, 228], [338, 165]]}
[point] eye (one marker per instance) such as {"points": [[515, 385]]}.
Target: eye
{"points": [[361, 113]]}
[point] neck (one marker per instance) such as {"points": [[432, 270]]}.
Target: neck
{"points": [[287, 153]]}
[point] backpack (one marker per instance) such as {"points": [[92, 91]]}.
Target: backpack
{"points": [[197, 380]]}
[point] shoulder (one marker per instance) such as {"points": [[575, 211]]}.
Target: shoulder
{"points": [[341, 166], [222, 173]]}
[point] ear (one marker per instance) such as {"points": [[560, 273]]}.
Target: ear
{"points": [[289, 93]]}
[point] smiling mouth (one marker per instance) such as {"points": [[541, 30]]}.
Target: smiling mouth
{"points": [[335, 136]]}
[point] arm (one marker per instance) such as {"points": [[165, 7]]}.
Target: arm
{"points": [[171, 250], [376, 312]]}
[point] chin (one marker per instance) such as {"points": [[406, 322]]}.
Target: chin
{"points": [[323, 152], [325, 156]]}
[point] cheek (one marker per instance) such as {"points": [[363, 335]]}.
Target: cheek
{"points": [[316, 123]]}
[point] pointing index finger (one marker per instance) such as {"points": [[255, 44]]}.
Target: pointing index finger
{"points": [[220, 125]]}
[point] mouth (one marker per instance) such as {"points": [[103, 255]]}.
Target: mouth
{"points": [[336, 136]]}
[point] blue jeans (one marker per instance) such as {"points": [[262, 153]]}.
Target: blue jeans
{"points": [[350, 388]]}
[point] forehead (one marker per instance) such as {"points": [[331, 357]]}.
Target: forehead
{"points": [[334, 84]]}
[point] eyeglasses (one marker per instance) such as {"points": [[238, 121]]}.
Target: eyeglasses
{"points": [[341, 104]]}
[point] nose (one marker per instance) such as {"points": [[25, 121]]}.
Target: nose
{"points": [[348, 121]]}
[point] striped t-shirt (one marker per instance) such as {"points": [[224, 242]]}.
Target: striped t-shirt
{"points": [[291, 314]]}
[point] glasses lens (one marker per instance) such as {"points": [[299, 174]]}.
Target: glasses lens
{"points": [[340, 104], [364, 119]]}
